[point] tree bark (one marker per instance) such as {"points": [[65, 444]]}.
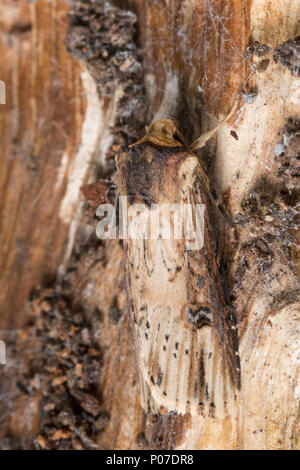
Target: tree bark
{"points": [[67, 114]]}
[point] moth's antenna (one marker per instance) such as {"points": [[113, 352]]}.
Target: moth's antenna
{"points": [[201, 141]]}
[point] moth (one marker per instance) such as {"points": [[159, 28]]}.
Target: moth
{"points": [[185, 337]]}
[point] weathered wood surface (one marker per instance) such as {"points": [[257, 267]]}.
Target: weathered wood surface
{"points": [[56, 135]]}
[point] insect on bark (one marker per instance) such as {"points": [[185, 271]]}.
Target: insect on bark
{"points": [[184, 335]]}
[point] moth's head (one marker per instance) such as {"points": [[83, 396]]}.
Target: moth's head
{"points": [[163, 133]]}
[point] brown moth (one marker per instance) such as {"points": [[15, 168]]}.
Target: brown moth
{"points": [[185, 338]]}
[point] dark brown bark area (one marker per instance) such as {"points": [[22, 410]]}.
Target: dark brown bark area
{"points": [[160, 57]]}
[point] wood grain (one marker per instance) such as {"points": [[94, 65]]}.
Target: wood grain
{"points": [[56, 134]]}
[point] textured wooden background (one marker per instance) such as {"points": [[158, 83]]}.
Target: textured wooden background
{"points": [[58, 131]]}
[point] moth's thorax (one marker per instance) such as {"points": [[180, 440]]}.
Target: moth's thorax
{"points": [[152, 174]]}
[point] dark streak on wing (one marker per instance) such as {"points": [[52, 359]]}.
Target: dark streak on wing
{"points": [[209, 298], [202, 370], [149, 270], [159, 377]]}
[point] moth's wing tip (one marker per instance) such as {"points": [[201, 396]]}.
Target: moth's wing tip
{"points": [[156, 405], [219, 403]]}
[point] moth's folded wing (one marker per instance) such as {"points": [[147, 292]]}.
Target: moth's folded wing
{"points": [[207, 311], [185, 341]]}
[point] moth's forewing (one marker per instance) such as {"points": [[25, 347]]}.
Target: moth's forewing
{"points": [[185, 341]]}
